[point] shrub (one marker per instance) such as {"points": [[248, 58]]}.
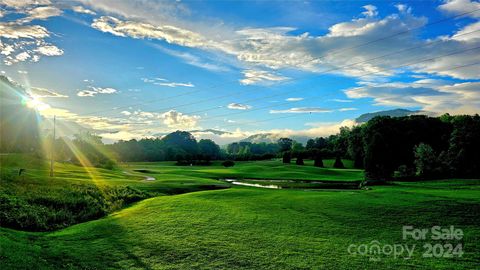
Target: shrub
{"points": [[46, 208], [318, 162], [287, 157], [299, 160], [228, 163], [404, 172], [338, 163]]}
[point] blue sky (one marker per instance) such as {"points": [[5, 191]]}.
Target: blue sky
{"points": [[132, 69]]}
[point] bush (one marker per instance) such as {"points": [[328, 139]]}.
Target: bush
{"points": [[318, 162], [193, 162], [228, 163], [299, 160], [287, 157], [338, 163], [46, 208], [404, 172]]}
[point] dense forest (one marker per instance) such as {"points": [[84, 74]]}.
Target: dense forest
{"points": [[404, 147]]}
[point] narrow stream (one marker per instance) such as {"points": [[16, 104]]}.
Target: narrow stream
{"points": [[294, 184], [235, 182]]}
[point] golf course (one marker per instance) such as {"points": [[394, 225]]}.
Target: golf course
{"points": [[239, 135], [188, 218]]}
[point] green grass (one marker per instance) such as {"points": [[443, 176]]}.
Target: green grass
{"points": [[257, 229], [35, 201], [270, 169], [247, 228]]}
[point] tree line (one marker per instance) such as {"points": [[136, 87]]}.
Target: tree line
{"points": [[413, 146]]}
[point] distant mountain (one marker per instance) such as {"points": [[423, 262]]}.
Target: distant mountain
{"points": [[392, 113], [273, 138], [213, 131]]}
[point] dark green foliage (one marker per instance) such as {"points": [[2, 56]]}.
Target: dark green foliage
{"points": [[377, 158], [464, 146], [54, 207], [356, 147], [93, 150], [388, 142], [287, 158], [318, 162], [179, 145], [404, 173], [208, 150], [285, 144], [426, 161], [252, 151], [228, 163], [338, 164], [299, 160]]}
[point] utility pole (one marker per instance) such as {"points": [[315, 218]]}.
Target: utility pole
{"points": [[52, 147]]}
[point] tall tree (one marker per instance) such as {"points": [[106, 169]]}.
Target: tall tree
{"points": [[208, 149], [285, 144]]}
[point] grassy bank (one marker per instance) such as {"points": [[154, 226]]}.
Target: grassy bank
{"points": [[34, 201]]}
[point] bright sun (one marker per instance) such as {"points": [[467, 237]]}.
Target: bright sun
{"points": [[37, 104]]}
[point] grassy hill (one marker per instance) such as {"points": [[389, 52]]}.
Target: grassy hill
{"points": [[258, 229], [35, 201], [235, 228]]}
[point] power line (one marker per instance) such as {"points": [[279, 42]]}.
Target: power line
{"points": [[296, 79], [303, 114], [364, 75], [334, 69], [287, 81]]}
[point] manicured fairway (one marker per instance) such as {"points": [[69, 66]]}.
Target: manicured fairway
{"points": [[270, 169], [258, 229]]}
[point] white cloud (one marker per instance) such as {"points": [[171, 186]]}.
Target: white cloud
{"points": [[168, 33], [347, 109], [22, 56], [93, 91], [370, 11], [41, 13], [403, 8], [165, 82], [428, 95], [38, 92], [457, 7], [277, 48], [260, 76], [193, 59], [294, 99], [22, 72], [238, 106], [49, 50], [126, 113], [81, 9], [174, 84], [20, 40], [174, 119], [463, 34], [86, 93], [302, 110], [342, 100]]}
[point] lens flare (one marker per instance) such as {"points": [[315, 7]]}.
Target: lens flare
{"points": [[36, 104]]}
